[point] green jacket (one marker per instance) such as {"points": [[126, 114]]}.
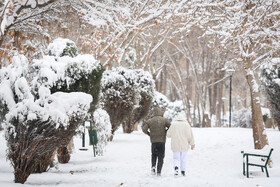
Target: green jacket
{"points": [[156, 127]]}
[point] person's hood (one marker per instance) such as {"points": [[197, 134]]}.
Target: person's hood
{"points": [[180, 117], [158, 112]]}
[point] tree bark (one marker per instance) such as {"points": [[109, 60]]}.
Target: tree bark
{"points": [[64, 151], [127, 126], [260, 138], [63, 154], [219, 106]]}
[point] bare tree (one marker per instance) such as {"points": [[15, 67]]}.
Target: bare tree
{"points": [[255, 31]]}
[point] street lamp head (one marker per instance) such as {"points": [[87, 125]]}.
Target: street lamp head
{"points": [[230, 71]]}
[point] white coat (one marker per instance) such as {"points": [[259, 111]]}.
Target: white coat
{"points": [[181, 135]]}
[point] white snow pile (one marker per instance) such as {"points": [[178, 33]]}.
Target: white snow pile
{"points": [[50, 71], [58, 107]]}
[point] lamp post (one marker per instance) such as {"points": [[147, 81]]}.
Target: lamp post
{"points": [[83, 148], [230, 72]]}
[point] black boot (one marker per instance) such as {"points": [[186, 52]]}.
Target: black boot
{"points": [[183, 173], [176, 171]]}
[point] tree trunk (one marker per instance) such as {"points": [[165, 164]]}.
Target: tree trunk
{"points": [[45, 162], [260, 138], [199, 116], [52, 158], [219, 106], [161, 82], [63, 155], [20, 176], [127, 126], [135, 128], [212, 98], [64, 151]]}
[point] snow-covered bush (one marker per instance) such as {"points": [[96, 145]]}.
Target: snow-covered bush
{"points": [[271, 84], [39, 117], [126, 96], [159, 101], [145, 88], [173, 109], [62, 47], [118, 95], [36, 127], [102, 124], [3, 111], [242, 118], [13, 84], [67, 71], [67, 74]]}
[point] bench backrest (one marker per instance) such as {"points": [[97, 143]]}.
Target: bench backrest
{"points": [[268, 158]]}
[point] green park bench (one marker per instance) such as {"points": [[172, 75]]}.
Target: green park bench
{"points": [[258, 158]]}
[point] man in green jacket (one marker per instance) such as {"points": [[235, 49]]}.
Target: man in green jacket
{"points": [[156, 128]]}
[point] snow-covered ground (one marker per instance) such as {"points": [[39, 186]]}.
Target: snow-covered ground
{"points": [[215, 162]]}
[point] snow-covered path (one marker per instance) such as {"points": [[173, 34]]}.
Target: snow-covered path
{"points": [[216, 161]]}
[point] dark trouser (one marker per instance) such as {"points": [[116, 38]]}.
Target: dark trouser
{"points": [[158, 150]]}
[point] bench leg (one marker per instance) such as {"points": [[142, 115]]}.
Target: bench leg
{"points": [[266, 172], [262, 169], [247, 166], [244, 168]]}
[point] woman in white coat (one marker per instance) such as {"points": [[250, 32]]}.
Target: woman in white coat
{"points": [[182, 139]]}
